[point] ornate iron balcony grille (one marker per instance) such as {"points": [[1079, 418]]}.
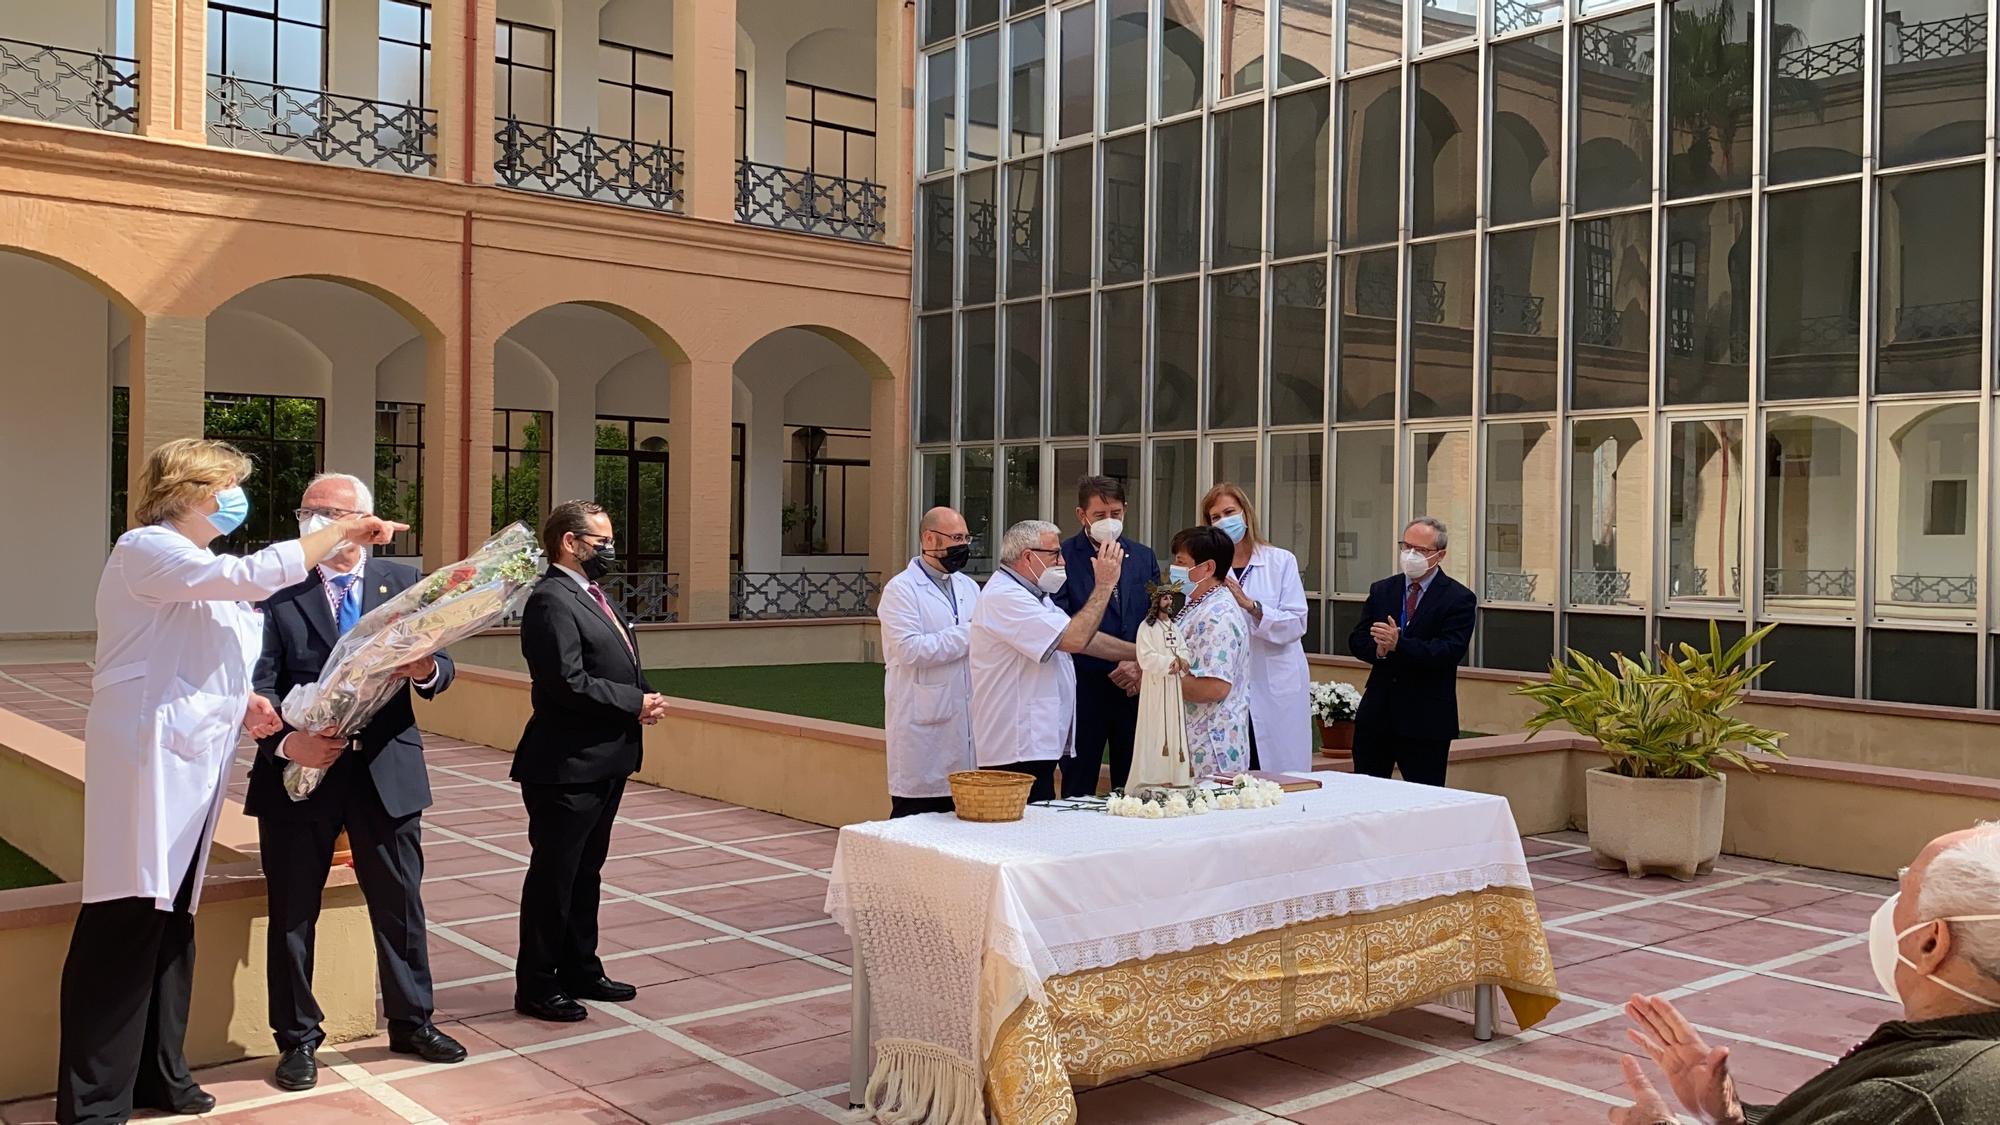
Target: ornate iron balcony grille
{"points": [[1934, 39], [1612, 49], [1943, 320], [1804, 582], [1519, 314], [1599, 326], [65, 87], [1688, 582], [1510, 586], [1375, 290], [1933, 589], [1599, 587], [583, 164], [767, 596], [811, 203], [1513, 15], [316, 125], [648, 597], [1832, 59], [1839, 332]]}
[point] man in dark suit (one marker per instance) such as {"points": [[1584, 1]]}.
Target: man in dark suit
{"points": [[375, 787], [1107, 693], [1414, 631], [582, 741]]}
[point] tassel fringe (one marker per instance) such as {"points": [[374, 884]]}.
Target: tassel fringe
{"points": [[918, 1083]]}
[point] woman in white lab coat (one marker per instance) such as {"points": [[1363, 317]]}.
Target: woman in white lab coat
{"points": [[1264, 579], [176, 640]]}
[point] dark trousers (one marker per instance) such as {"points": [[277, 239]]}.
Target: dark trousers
{"points": [[126, 986], [1044, 773], [389, 864], [1104, 714], [917, 806], [1422, 760], [569, 834], [1253, 746]]}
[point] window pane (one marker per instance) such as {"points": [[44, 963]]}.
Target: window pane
{"points": [[1518, 15], [1235, 462], [1292, 509], [1610, 328], [400, 71], [940, 118], [1812, 293], [1521, 507], [1604, 636], [940, 20], [975, 503], [1709, 71], [1239, 197], [1181, 55], [1364, 531], [1121, 463], [1708, 302], [1074, 191], [1371, 186], [1072, 464], [1024, 371], [1933, 80], [1069, 366], [979, 13], [1527, 128], [1441, 478], [1927, 290], [1607, 516], [1614, 108], [1177, 180], [1028, 91], [1446, 20], [1912, 667], [1023, 497], [975, 341], [1926, 509], [1176, 353], [1812, 474], [1812, 659], [1816, 97], [1079, 60], [1445, 150], [1366, 366], [1124, 63], [933, 481], [1305, 40], [1124, 208], [982, 97], [1299, 175], [1242, 63], [1298, 343], [1173, 495], [938, 213], [1232, 350], [1524, 276], [1374, 32], [1121, 354], [1705, 510], [977, 282], [1442, 300], [934, 391], [1520, 640], [1025, 266]]}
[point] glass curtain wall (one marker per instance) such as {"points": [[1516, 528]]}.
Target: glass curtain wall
{"points": [[1676, 311]]}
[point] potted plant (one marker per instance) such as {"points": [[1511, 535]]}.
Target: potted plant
{"points": [[1665, 723], [1334, 704]]}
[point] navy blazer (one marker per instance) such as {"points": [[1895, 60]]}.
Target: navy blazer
{"points": [[586, 686], [1127, 610], [299, 632], [1413, 692]]}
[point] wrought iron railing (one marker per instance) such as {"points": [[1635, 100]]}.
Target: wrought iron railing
{"points": [[1513, 15], [767, 596], [1833, 59], [1926, 40], [584, 164], [810, 202], [1375, 290], [1942, 320], [1612, 49], [648, 597], [1688, 582], [1124, 248], [1427, 300], [66, 87], [317, 125], [1599, 326], [1299, 288], [1934, 589], [1804, 582], [1599, 587], [1825, 333], [1516, 313], [1510, 586]]}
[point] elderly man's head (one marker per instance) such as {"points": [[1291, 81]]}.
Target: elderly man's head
{"points": [[1938, 949], [335, 496]]}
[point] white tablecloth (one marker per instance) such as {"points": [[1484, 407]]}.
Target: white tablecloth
{"points": [[957, 922]]}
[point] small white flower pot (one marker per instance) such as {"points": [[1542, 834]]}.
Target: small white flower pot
{"points": [[1646, 824]]}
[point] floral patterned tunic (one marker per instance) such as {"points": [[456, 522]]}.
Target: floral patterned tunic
{"points": [[1217, 637]]}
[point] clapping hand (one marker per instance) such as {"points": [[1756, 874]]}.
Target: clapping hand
{"points": [[1698, 1074], [1648, 1107], [260, 719], [1386, 635]]}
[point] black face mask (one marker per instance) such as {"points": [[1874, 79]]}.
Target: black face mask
{"points": [[600, 562], [955, 557]]}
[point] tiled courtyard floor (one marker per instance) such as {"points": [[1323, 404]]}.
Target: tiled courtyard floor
{"points": [[742, 1013]]}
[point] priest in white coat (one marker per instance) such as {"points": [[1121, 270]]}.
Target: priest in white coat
{"points": [[926, 617], [176, 641]]}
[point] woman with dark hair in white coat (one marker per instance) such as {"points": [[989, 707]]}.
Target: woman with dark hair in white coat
{"points": [[1264, 580], [176, 641]]}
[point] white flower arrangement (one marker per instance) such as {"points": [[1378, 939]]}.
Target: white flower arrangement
{"points": [[1245, 793], [1335, 702]]}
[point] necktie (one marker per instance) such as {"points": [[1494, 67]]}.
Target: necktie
{"points": [[603, 604], [350, 602], [1410, 603]]}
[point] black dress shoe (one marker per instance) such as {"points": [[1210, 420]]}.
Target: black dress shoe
{"points": [[188, 1102], [297, 1069], [603, 988], [428, 1044], [557, 1008]]}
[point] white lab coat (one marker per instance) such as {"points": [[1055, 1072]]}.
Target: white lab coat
{"points": [[1023, 689], [176, 642], [927, 689], [1280, 684]]}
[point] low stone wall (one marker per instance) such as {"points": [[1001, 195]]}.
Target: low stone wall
{"points": [[720, 645]]}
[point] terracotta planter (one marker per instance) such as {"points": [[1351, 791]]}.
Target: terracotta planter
{"points": [[343, 851], [1644, 824], [1337, 735]]}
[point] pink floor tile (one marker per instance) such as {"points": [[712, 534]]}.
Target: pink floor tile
{"points": [[1760, 898], [513, 1030], [1751, 942], [1376, 1107], [1651, 924], [781, 978], [765, 915], [454, 1092], [1568, 948], [1483, 1095], [1615, 978], [683, 997], [1848, 967], [1846, 912], [602, 1061], [1590, 1065], [774, 1025], [1254, 1078], [1574, 898], [726, 955], [336, 1108], [469, 1000], [1778, 1010], [689, 1091], [811, 1065], [574, 1108], [642, 969], [478, 904], [1141, 1103], [1343, 1053]]}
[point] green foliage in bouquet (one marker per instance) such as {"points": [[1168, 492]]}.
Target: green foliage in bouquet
{"points": [[1667, 716]]}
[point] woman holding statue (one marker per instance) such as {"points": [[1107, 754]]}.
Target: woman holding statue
{"points": [[1216, 635]]}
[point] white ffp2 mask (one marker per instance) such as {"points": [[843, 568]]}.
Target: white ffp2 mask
{"points": [[1885, 949]]}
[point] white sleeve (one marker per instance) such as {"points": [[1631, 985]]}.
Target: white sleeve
{"points": [[905, 641], [1027, 626], [1285, 611], [166, 567]]}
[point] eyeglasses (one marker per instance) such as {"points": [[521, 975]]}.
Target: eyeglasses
{"points": [[1045, 551], [304, 514], [601, 542], [1408, 546], [961, 537]]}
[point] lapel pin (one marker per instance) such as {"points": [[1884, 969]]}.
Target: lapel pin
{"points": [[381, 589]]}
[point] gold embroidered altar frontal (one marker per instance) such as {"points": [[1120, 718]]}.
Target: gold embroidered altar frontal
{"points": [[1150, 1015]]}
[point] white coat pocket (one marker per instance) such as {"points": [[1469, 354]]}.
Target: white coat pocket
{"points": [[191, 722], [930, 704]]}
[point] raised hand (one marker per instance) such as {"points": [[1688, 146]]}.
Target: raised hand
{"points": [[1648, 1107], [1698, 1074], [1108, 564]]}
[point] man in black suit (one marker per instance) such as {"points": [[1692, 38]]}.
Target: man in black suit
{"points": [[376, 787], [1414, 631], [582, 741], [1107, 692]]}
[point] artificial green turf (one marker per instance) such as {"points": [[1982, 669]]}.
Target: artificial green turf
{"points": [[17, 870], [845, 693]]}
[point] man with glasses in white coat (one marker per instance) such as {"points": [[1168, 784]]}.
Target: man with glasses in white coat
{"points": [[926, 616]]}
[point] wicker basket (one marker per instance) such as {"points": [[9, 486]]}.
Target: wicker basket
{"points": [[990, 795]]}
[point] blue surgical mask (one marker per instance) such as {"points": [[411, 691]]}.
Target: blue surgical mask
{"points": [[1178, 575], [1233, 526], [232, 507]]}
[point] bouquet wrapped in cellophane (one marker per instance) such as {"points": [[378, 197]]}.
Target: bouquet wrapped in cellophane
{"points": [[441, 609]]}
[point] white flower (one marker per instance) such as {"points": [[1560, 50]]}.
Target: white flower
{"points": [[1153, 811], [1176, 804], [1198, 807], [1228, 801]]}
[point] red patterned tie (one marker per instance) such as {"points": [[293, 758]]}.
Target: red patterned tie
{"points": [[1410, 603], [605, 605]]}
